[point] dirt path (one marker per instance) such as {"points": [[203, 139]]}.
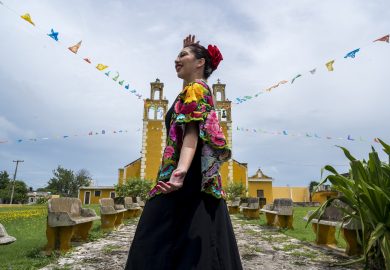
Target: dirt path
{"points": [[260, 248]]}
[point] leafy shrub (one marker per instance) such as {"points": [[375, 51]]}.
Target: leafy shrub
{"points": [[42, 200], [366, 191], [134, 187], [234, 190]]}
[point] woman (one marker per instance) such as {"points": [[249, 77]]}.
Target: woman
{"points": [[185, 223]]}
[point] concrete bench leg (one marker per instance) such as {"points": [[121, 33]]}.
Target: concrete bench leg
{"points": [[325, 235], [82, 230], [138, 212], [58, 238], [118, 220], [270, 218], [128, 214], [108, 222], [353, 247], [233, 210], [283, 221], [52, 238], [251, 213], [65, 235]]}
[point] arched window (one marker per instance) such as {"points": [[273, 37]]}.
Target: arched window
{"points": [[219, 96], [160, 113], [151, 114], [223, 115], [156, 94]]}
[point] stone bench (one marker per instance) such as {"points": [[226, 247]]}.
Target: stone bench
{"points": [[133, 209], [111, 214], [140, 202], [66, 221], [325, 228], [5, 239], [280, 213], [234, 205], [250, 208]]}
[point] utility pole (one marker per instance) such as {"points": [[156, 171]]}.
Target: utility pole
{"points": [[13, 182]]}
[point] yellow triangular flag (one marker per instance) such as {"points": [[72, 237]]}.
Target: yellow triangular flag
{"points": [[101, 67], [27, 17], [75, 48], [329, 65]]}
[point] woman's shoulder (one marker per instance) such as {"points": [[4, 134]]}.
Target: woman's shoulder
{"points": [[202, 83], [195, 91]]}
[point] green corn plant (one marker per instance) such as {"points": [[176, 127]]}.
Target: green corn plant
{"points": [[366, 192]]}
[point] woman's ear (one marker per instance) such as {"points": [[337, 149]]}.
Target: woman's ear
{"points": [[201, 62]]}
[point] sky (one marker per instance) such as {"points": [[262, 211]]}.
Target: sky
{"points": [[46, 91]]}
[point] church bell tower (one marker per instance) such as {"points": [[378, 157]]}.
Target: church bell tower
{"points": [[154, 131], [224, 111]]}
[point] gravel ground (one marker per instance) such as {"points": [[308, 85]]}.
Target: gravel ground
{"points": [[260, 248]]}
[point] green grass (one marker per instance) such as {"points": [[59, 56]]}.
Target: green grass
{"points": [[30, 232], [299, 232]]}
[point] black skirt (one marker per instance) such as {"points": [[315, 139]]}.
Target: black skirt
{"points": [[185, 229], [184, 233]]}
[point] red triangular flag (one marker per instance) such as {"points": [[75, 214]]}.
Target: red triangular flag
{"points": [[384, 38]]}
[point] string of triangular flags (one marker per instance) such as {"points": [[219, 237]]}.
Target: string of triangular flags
{"points": [[54, 35], [305, 135], [329, 67], [238, 100], [90, 133]]}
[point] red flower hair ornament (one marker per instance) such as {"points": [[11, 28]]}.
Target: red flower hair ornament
{"points": [[215, 55]]}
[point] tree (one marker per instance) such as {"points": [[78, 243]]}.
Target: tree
{"points": [[4, 179], [312, 185], [67, 183], [20, 191]]}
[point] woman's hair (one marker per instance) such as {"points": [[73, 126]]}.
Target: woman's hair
{"points": [[201, 52]]}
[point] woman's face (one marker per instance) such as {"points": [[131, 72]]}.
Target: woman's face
{"points": [[186, 64]]}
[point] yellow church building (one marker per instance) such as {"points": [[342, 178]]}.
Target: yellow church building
{"points": [[153, 144]]}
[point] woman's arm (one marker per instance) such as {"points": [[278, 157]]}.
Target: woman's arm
{"points": [[188, 148], [187, 153]]}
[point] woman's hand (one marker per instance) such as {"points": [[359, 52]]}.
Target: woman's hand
{"points": [[190, 39], [174, 183]]}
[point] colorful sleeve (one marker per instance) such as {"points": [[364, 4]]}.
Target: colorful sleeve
{"points": [[195, 103], [191, 103]]}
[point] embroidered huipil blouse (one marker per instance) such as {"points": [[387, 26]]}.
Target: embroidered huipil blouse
{"points": [[195, 103]]}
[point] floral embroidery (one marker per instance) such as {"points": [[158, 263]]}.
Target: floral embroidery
{"points": [[214, 129], [169, 151], [195, 103]]}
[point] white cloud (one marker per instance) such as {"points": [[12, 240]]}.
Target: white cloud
{"points": [[47, 91]]}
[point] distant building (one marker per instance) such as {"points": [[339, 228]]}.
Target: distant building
{"points": [[323, 193], [34, 196], [91, 195], [260, 185]]}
